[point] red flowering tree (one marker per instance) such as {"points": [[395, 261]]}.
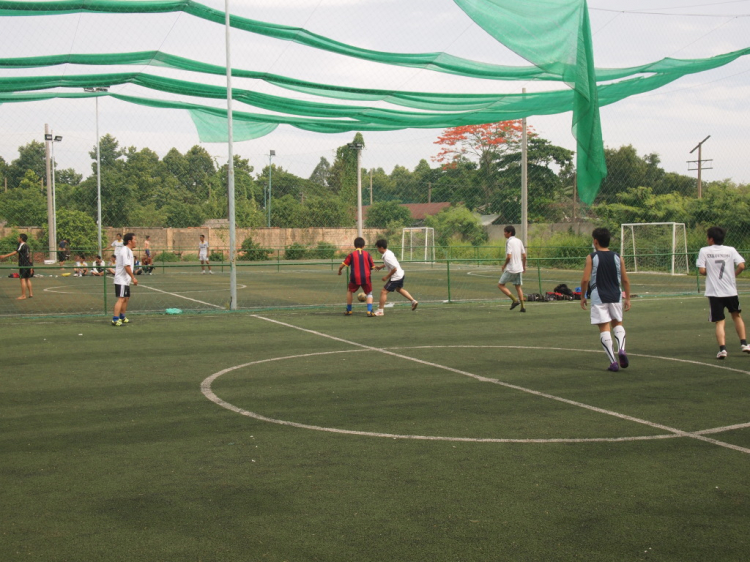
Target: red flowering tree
{"points": [[483, 144]]}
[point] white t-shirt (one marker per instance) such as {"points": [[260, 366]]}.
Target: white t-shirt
{"points": [[720, 263], [81, 264], [203, 249], [391, 263], [117, 245], [124, 258], [514, 248]]}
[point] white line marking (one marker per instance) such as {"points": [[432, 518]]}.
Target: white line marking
{"points": [[181, 297], [206, 390], [208, 393]]}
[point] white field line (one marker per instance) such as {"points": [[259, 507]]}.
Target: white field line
{"points": [[209, 393], [675, 431], [181, 296]]}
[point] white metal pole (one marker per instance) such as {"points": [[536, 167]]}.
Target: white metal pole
{"points": [[230, 170], [524, 182], [98, 183], [359, 192]]}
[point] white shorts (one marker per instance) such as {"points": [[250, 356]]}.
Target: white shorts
{"points": [[602, 313], [203, 257], [512, 278]]}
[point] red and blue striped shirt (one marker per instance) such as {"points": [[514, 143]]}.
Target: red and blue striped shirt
{"points": [[360, 265]]}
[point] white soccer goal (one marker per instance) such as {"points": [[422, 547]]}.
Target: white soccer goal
{"points": [[659, 247], [418, 244]]}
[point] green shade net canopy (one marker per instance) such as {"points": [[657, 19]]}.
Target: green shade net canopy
{"points": [[554, 36]]}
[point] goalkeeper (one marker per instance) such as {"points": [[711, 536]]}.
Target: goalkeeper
{"points": [[394, 280]]}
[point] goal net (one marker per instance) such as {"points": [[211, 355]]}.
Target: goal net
{"points": [[659, 247], [418, 244]]}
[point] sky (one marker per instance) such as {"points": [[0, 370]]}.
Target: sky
{"points": [[669, 122]]}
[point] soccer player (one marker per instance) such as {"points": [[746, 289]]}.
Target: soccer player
{"points": [[203, 255], [361, 264], [514, 267], [604, 281], [124, 276], [24, 265], [394, 280], [721, 265]]}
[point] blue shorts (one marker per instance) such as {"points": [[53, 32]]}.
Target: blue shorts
{"points": [[393, 285]]}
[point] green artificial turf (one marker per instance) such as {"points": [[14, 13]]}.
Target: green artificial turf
{"points": [[110, 451]]}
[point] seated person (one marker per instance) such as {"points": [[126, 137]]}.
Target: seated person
{"points": [[81, 268], [97, 268], [148, 265], [112, 265], [137, 269]]}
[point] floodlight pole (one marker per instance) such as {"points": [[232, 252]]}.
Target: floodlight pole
{"points": [[700, 164], [524, 182], [52, 235], [52, 242], [271, 154], [230, 169], [358, 147]]}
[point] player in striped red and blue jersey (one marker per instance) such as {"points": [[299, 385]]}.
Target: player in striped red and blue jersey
{"points": [[360, 266]]}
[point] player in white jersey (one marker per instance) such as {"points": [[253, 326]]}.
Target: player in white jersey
{"points": [[124, 275], [117, 244], [721, 265], [514, 267], [203, 255], [394, 280]]}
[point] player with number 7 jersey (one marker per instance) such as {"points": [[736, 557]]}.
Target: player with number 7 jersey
{"points": [[721, 265]]}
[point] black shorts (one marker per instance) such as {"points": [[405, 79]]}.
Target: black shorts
{"points": [[122, 291], [718, 304], [393, 285], [24, 273]]}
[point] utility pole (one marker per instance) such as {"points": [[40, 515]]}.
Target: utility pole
{"points": [[699, 163]]}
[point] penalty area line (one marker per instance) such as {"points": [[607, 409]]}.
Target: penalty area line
{"points": [[181, 296], [673, 430]]}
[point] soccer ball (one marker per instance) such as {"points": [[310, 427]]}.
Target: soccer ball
{"points": [[361, 297]]}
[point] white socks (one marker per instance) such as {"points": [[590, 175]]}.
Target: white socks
{"points": [[619, 333], [606, 339]]}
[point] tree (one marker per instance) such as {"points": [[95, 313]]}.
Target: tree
{"points": [[109, 152], [484, 144], [321, 172], [383, 213], [343, 177], [32, 157], [457, 223], [78, 228], [24, 205]]}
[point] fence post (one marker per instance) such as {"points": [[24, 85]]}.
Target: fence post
{"points": [[104, 278], [448, 269], [539, 275]]}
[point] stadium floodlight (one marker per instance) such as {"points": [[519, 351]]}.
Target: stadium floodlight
{"points": [[98, 171], [52, 138]]}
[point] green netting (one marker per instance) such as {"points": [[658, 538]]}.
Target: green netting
{"points": [[552, 34]]}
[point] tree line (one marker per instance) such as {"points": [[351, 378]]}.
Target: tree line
{"points": [[477, 168]]}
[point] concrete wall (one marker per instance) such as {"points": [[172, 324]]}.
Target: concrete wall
{"points": [[187, 239]]}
